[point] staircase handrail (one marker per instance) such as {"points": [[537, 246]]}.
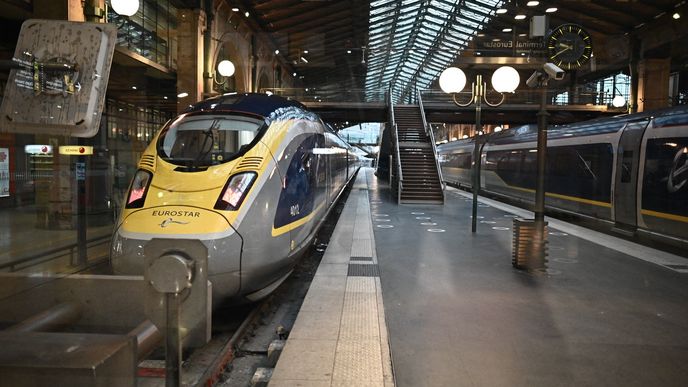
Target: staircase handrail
{"points": [[428, 131], [398, 164], [395, 137]]}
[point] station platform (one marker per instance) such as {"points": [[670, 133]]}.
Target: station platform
{"points": [[450, 310]]}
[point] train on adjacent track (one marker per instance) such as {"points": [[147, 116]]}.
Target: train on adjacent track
{"points": [[252, 176], [628, 173]]}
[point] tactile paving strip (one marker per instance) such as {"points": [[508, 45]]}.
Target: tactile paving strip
{"points": [[361, 248], [358, 361], [367, 259], [363, 270]]}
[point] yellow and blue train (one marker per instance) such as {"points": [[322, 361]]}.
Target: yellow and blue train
{"points": [[252, 176], [629, 172]]}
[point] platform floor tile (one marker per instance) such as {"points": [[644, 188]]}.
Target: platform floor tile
{"points": [[342, 313]]}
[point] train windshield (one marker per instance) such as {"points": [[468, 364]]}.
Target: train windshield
{"points": [[202, 141]]}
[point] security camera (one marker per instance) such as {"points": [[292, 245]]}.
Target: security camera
{"points": [[534, 80], [553, 71]]}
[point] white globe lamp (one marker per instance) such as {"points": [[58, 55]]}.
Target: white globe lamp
{"points": [[125, 7], [618, 101], [505, 79], [226, 68], [452, 80]]}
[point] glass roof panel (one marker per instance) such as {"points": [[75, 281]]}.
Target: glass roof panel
{"points": [[425, 37]]}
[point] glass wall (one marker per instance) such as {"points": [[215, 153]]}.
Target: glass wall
{"points": [[151, 32], [48, 196]]}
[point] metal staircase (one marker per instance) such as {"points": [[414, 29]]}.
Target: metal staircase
{"points": [[421, 175]]}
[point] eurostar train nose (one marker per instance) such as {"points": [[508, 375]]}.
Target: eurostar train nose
{"points": [[224, 244]]}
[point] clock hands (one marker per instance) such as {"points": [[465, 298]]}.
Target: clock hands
{"points": [[566, 48]]}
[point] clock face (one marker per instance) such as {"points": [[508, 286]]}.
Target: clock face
{"points": [[569, 46]]}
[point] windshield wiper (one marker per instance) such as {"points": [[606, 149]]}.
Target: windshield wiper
{"points": [[208, 135]]}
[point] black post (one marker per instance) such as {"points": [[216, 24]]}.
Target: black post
{"points": [[478, 98], [540, 183], [541, 158], [80, 172], [173, 351]]}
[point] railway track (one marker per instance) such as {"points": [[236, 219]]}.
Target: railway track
{"points": [[242, 334]]}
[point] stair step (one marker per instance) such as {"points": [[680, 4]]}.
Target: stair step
{"points": [[421, 188], [420, 197]]}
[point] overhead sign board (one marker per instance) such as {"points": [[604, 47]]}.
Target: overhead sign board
{"points": [[59, 78], [38, 149], [78, 150]]}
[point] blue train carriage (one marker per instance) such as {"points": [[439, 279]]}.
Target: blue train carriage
{"points": [[251, 176], [628, 171], [662, 205]]}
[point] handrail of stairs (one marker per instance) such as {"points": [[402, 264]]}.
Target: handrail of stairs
{"points": [[428, 131], [395, 139]]}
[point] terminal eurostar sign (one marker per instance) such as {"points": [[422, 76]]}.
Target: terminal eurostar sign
{"points": [[77, 150]]}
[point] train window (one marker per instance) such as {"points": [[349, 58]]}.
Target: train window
{"points": [[462, 161], [582, 171], [201, 141]]}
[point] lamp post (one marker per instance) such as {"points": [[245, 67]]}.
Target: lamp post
{"points": [[540, 79], [504, 80]]}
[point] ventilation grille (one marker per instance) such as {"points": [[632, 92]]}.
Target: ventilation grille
{"points": [[250, 163], [147, 162]]}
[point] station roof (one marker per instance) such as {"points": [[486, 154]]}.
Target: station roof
{"points": [[368, 45], [362, 47]]}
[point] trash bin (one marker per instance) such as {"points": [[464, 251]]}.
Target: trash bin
{"points": [[529, 248]]}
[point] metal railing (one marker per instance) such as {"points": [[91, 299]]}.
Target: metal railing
{"points": [[555, 97], [428, 131], [45, 256], [329, 95], [395, 144]]}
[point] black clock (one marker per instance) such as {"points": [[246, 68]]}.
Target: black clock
{"points": [[569, 46]]}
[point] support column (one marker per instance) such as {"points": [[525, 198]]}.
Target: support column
{"points": [[634, 48], [653, 83], [191, 26], [72, 10]]}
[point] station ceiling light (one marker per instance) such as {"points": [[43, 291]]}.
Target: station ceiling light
{"points": [[125, 7]]}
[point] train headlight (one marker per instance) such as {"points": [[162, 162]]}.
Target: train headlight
{"points": [[138, 189], [235, 191]]}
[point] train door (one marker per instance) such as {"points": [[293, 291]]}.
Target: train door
{"points": [[626, 179]]}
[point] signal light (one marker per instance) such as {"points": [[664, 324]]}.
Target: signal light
{"points": [[138, 189], [235, 191]]}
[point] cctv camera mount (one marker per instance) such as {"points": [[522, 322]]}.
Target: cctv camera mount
{"points": [[541, 78], [553, 71]]}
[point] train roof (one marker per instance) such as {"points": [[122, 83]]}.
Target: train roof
{"points": [[528, 133], [254, 103]]}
